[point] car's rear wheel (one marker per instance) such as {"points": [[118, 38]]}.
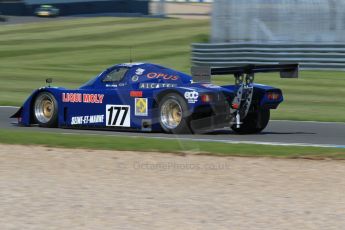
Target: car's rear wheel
{"points": [[254, 122], [173, 114], [45, 110]]}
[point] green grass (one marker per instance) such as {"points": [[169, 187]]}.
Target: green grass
{"points": [[73, 51], [165, 146]]}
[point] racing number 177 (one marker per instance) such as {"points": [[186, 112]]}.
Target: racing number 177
{"points": [[118, 115]]}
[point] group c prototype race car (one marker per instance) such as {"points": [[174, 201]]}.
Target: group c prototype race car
{"points": [[152, 98]]}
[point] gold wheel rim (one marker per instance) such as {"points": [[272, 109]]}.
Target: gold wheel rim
{"points": [[176, 114], [44, 108], [171, 114], [47, 108]]}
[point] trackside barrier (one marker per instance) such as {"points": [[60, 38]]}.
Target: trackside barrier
{"points": [[309, 56], [190, 1]]}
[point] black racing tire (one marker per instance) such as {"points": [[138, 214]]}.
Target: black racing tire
{"points": [[254, 122], [174, 116], [45, 110]]}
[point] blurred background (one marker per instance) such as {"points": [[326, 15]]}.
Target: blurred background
{"points": [[232, 20], [275, 21]]}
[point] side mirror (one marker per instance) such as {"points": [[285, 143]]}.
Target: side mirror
{"points": [[49, 81]]}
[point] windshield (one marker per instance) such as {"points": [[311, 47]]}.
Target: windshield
{"points": [[116, 75]]}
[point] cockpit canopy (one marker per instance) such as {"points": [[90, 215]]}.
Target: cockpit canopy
{"points": [[140, 75]]}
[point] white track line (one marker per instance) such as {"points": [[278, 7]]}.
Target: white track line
{"points": [[8, 106], [220, 141], [320, 122]]}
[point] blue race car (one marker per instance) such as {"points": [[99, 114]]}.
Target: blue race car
{"points": [[149, 97]]}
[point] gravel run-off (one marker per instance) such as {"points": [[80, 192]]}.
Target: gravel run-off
{"points": [[55, 188]]}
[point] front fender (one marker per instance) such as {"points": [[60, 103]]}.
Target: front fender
{"points": [[24, 114]]}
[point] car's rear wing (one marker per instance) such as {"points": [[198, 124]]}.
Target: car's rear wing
{"points": [[203, 74]]}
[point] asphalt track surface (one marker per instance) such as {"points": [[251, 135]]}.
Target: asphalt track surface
{"points": [[285, 133]]}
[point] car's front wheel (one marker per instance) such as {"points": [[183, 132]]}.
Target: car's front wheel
{"points": [[45, 110], [173, 114], [254, 122]]}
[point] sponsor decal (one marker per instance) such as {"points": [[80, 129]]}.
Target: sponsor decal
{"points": [[72, 97], [211, 86], [135, 78], [192, 97], [82, 120], [111, 85], [156, 85], [141, 106], [139, 71], [118, 115], [93, 98], [136, 93], [82, 98], [164, 76]]}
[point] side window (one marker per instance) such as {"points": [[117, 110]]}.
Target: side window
{"points": [[115, 75]]}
